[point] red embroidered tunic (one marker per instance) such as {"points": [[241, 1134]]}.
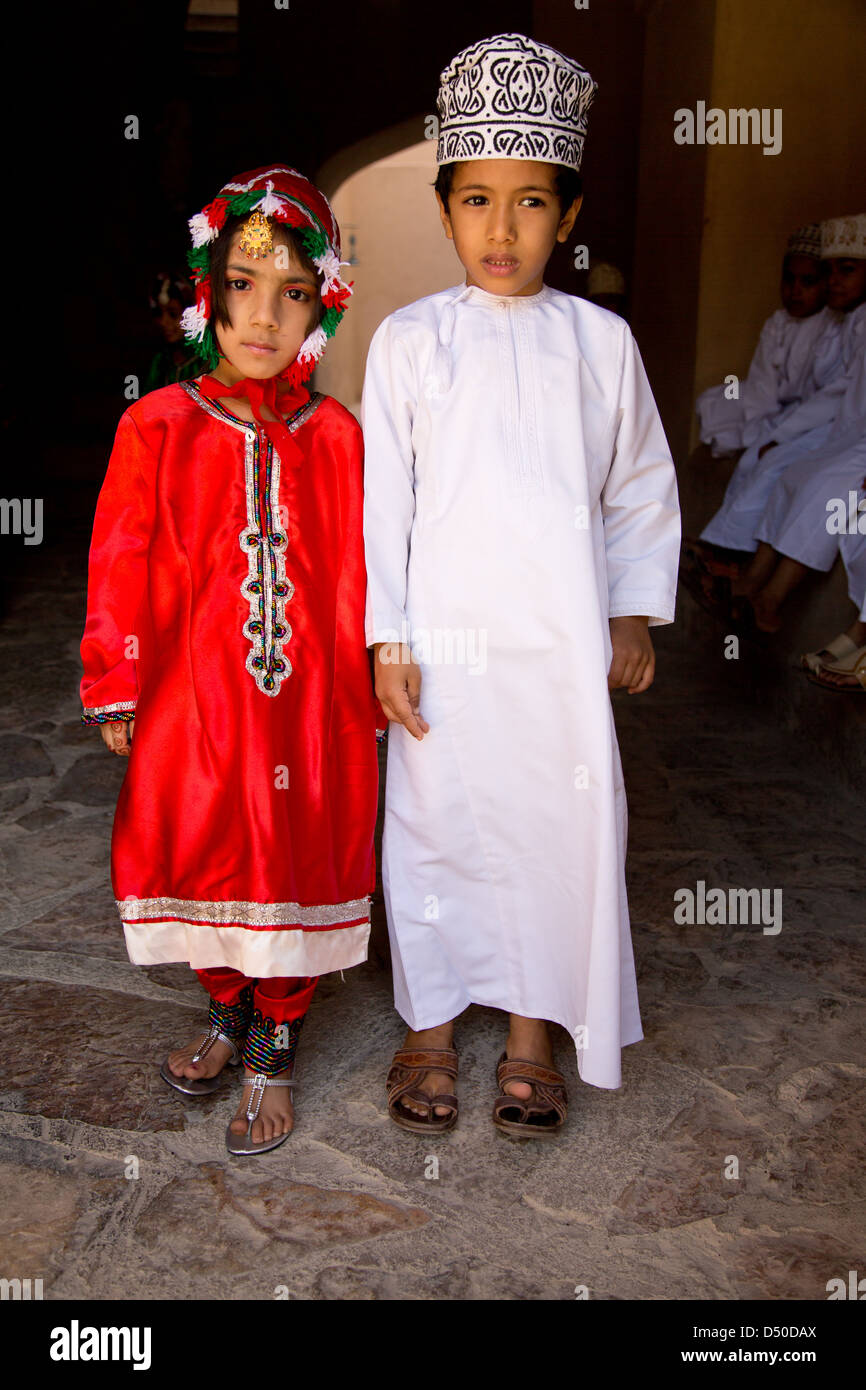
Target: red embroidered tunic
{"points": [[226, 614]]}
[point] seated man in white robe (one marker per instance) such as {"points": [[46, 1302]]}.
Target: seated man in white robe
{"points": [[781, 373], [802, 430], [818, 500]]}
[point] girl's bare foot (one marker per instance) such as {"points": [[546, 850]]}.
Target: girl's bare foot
{"points": [[528, 1039], [180, 1062], [435, 1082], [276, 1113]]}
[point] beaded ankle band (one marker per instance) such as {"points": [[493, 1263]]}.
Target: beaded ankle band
{"points": [[271, 1046], [232, 1019]]}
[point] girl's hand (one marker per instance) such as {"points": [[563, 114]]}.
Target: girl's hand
{"points": [[118, 736], [398, 686], [634, 662]]}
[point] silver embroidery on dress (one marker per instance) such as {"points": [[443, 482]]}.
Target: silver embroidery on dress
{"points": [[243, 913], [264, 541], [266, 588], [110, 709]]}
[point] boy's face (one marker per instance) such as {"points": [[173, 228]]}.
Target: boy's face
{"points": [[804, 286], [504, 218], [271, 303], [168, 320], [847, 283]]}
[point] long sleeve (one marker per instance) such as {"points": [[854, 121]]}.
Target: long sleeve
{"points": [[821, 408], [849, 426], [117, 578], [821, 405], [387, 413], [760, 392], [352, 667], [640, 505]]}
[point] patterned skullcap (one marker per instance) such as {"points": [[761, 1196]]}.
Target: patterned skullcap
{"points": [[844, 237], [509, 97], [806, 241]]}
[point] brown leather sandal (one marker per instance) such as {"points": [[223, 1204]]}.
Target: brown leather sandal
{"points": [[408, 1069], [543, 1114]]}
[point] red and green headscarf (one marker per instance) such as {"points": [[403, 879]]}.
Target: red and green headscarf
{"points": [[287, 197]]}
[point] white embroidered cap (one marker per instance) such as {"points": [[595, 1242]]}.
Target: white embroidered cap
{"points": [[844, 236], [509, 97]]}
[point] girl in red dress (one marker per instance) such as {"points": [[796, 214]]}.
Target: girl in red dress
{"points": [[225, 622]]}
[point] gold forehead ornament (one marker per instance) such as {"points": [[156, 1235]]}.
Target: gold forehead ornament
{"points": [[257, 238]]}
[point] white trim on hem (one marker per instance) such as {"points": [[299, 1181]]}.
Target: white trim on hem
{"points": [[258, 954]]}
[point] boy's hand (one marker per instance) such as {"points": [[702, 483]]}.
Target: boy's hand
{"points": [[398, 686], [634, 661], [118, 735]]}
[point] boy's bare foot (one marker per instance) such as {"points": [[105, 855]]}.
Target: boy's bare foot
{"points": [[276, 1113], [435, 1082], [180, 1062], [766, 613], [528, 1039]]}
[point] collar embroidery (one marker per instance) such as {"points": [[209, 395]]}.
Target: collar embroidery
{"points": [[266, 587]]}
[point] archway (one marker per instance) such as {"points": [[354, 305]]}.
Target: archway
{"points": [[393, 241]]}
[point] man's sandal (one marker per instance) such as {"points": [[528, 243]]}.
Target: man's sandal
{"points": [[543, 1114], [241, 1144], [408, 1070], [853, 666], [204, 1085], [837, 650]]}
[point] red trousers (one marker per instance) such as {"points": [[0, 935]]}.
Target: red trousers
{"points": [[268, 1012]]}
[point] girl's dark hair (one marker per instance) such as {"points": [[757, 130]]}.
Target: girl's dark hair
{"points": [[219, 260], [568, 185]]}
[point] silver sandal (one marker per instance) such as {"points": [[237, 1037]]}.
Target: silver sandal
{"points": [[205, 1085], [241, 1144]]}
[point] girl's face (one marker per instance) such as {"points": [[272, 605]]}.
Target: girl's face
{"points": [[271, 302]]}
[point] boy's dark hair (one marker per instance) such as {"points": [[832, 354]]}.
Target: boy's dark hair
{"points": [[821, 267], [167, 285], [567, 182], [219, 260]]}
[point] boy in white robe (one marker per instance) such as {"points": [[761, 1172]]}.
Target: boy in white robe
{"points": [[522, 531], [776, 441], [801, 524], [782, 369]]}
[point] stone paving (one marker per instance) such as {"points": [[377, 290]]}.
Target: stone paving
{"points": [[114, 1186]]}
